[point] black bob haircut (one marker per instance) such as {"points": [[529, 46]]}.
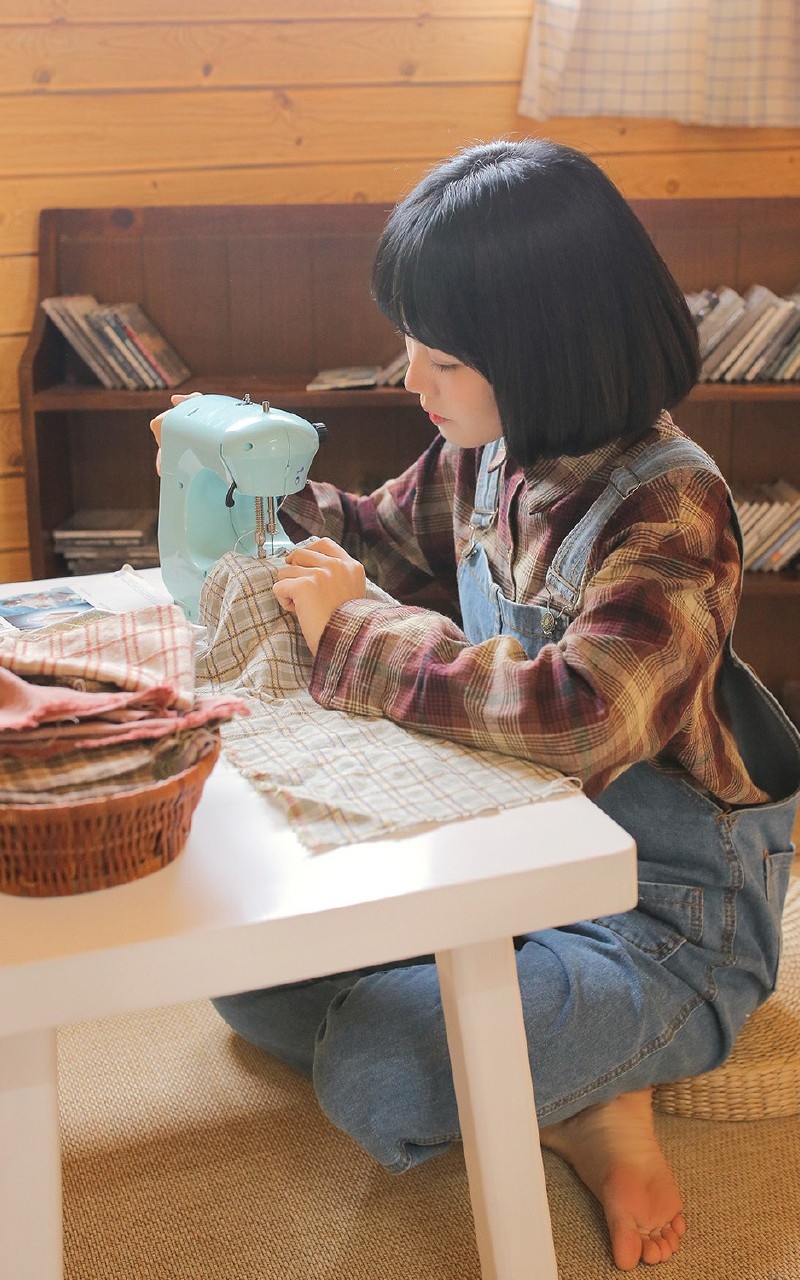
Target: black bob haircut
{"points": [[523, 260]]}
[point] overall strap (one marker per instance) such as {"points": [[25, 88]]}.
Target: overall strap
{"points": [[484, 512], [565, 577], [486, 489]]}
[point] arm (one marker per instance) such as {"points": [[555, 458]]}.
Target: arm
{"points": [[402, 533], [629, 676]]}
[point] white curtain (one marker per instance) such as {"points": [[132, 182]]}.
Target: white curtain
{"points": [[716, 62]]}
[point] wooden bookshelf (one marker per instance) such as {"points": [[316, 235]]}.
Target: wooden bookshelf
{"points": [[257, 299]]}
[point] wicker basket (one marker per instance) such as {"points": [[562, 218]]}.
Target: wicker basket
{"points": [[48, 851], [761, 1078]]}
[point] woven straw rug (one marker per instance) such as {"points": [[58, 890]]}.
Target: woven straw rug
{"points": [[188, 1156]]}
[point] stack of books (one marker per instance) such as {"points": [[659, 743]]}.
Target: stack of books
{"points": [[769, 515], [103, 541], [361, 375], [749, 337], [119, 343]]}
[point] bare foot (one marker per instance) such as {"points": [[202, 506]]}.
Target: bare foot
{"points": [[614, 1150]]}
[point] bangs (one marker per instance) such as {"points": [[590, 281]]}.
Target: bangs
{"points": [[420, 282]]}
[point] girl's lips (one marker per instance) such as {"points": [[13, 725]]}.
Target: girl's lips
{"points": [[436, 419]]}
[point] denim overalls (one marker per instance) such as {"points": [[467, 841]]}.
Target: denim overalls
{"points": [[610, 1005]]}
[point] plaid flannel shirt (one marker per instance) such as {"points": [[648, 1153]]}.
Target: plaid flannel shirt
{"points": [[635, 676]]}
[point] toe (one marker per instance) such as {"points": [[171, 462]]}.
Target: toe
{"points": [[626, 1245]]}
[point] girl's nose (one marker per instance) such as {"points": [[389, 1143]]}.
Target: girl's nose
{"points": [[414, 380]]}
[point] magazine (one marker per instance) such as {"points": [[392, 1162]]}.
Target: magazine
{"points": [[31, 610]]}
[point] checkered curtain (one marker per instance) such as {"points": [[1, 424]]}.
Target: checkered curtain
{"points": [[713, 62]]}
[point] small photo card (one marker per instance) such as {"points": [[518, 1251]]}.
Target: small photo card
{"points": [[33, 609]]}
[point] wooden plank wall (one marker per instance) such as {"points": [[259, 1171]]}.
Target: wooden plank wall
{"points": [[253, 101]]}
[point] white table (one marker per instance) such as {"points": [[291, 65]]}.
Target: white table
{"points": [[246, 906]]}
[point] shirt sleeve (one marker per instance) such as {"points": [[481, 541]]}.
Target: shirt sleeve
{"points": [[619, 686], [402, 532]]}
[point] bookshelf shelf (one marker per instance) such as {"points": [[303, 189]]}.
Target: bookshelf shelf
{"points": [[284, 290], [737, 392], [772, 584], [287, 394]]}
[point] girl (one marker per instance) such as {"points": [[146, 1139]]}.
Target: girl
{"points": [[595, 558]]}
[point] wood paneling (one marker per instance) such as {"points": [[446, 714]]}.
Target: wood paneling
{"points": [[10, 352], [32, 12], [424, 49], [13, 514], [291, 101], [199, 130], [10, 443], [15, 566], [18, 279]]}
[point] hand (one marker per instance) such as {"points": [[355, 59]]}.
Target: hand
{"points": [[314, 581], [155, 423]]}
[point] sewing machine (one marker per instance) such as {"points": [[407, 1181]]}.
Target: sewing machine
{"points": [[223, 462]]}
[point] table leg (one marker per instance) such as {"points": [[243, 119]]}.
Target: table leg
{"points": [[488, 1050], [31, 1246]]}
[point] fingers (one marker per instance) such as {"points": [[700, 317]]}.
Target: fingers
{"points": [[318, 553]]}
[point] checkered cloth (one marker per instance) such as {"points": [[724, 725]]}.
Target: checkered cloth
{"points": [[137, 650], [104, 705], [339, 778], [716, 62]]}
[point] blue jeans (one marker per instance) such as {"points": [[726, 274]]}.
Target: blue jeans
{"points": [[610, 1006]]}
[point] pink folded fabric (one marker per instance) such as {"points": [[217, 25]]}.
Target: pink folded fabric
{"points": [[142, 649], [138, 719], [23, 704], [93, 734]]}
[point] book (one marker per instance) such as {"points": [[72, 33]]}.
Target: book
{"points": [[393, 374], [763, 368], [790, 364], [361, 375], [114, 349], [151, 344], [68, 315], [118, 342], [770, 323], [714, 326], [701, 303], [758, 300], [761, 535], [750, 506], [787, 554], [105, 323], [356, 375], [786, 498], [781, 550], [102, 527]]}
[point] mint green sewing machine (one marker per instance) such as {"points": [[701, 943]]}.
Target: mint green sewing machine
{"points": [[223, 461]]}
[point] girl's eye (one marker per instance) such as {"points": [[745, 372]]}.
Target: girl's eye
{"points": [[442, 368]]}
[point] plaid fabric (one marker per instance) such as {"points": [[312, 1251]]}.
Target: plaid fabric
{"points": [[719, 62], [635, 676], [139, 722], [136, 650], [339, 778], [81, 775]]}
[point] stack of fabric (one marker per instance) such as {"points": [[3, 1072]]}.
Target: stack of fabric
{"points": [[102, 705]]}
